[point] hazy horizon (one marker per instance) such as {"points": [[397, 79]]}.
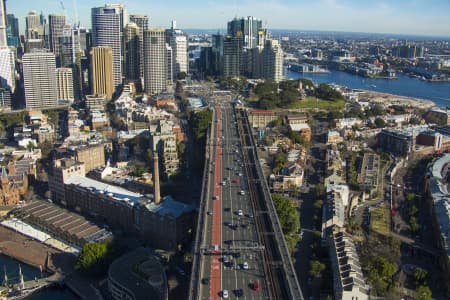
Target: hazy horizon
{"points": [[413, 17]]}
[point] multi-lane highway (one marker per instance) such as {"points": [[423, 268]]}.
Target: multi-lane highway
{"points": [[237, 255]]}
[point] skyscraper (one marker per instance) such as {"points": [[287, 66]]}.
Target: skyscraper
{"points": [[178, 42], [32, 25], [67, 47], [247, 28], [102, 79], [12, 30], [56, 25], [155, 61], [232, 56], [39, 72], [7, 79], [272, 57], [170, 63], [13, 23], [107, 31], [64, 84], [142, 22], [217, 54], [3, 39], [132, 58]]}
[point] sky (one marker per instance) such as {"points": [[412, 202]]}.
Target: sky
{"points": [[417, 17]]}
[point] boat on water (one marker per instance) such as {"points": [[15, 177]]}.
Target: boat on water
{"points": [[17, 292]]}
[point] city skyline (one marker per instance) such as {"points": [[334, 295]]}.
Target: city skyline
{"points": [[418, 17]]}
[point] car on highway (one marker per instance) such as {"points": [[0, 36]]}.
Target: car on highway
{"points": [[256, 286], [205, 280], [225, 294], [239, 293], [245, 265], [180, 270], [209, 213]]}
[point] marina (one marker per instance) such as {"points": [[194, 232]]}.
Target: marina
{"points": [[438, 92]]}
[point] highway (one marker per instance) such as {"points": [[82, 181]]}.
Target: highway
{"points": [[236, 246]]}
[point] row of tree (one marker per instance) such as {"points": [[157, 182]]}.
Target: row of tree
{"points": [[289, 218], [282, 95], [199, 123]]}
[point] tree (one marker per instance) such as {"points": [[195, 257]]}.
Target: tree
{"points": [[279, 161], [413, 225], [319, 190], [380, 273], [268, 141], [92, 258], [316, 268], [420, 276], [410, 197], [46, 148], [318, 204], [181, 75], [424, 293], [326, 92], [287, 214], [380, 123], [378, 110]]}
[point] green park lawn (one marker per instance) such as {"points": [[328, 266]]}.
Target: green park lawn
{"points": [[311, 103], [379, 220]]}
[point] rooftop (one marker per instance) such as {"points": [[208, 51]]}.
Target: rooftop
{"points": [[170, 206], [140, 273], [299, 127], [112, 191], [441, 198]]}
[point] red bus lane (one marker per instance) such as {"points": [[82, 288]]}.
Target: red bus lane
{"points": [[215, 281]]}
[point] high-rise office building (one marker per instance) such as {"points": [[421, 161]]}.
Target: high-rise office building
{"points": [[155, 61], [3, 38], [178, 42], [13, 24], [64, 84], [12, 31], [7, 68], [247, 28], [39, 72], [232, 56], [102, 79], [107, 31], [142, 22], [7, 78], [56, 25], [67, 47], [272, 57], [132, 58], [32, 25], [217, 54], [170, 62], [34, 44]]}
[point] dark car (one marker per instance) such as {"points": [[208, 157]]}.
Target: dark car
{"points": [[239, 292], [205, 280]]}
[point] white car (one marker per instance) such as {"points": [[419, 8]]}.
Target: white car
{"points": [[225, 294], [240, 213], [245, 265], [242, 192]]}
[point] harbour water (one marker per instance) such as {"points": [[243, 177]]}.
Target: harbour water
{"points": [[438, 92], [29, 273]]}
